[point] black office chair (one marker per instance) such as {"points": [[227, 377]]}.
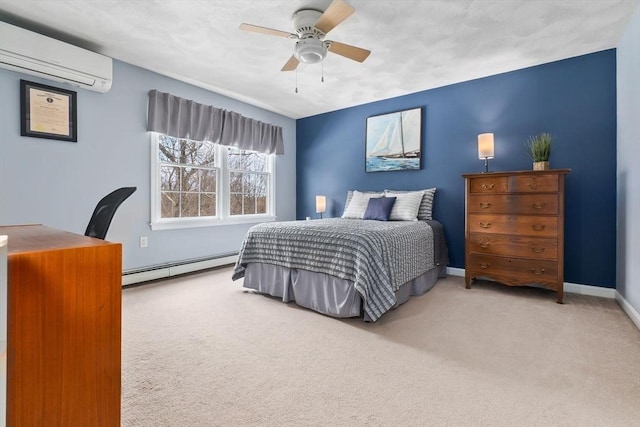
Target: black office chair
{"points": [[104, 211]]}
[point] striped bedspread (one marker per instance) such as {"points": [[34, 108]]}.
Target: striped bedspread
{"points": [[378, 257]]}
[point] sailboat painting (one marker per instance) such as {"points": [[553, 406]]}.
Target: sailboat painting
{"points": [[393, 141]]}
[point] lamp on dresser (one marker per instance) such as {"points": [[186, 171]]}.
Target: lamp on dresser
{"points": [[485, 149], [321, 205]]}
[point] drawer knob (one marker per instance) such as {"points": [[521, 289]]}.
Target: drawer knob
{"points": [[537, 250], [538, 227], [484, 245], [484, 224], [484, 265], [537, 272], [485, 205], [488, 186], [538, 205], [533, 184]]}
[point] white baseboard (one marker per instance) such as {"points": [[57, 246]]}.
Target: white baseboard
{"points": [[155, 273], [452, 271], [594, 291], [631, 312]]}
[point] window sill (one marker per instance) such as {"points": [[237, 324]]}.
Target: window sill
{"points": [[172, 224]]}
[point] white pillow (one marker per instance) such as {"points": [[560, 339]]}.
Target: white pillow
{"points": [[350, 195], [358, 204], [406, 206], [425, 212]]}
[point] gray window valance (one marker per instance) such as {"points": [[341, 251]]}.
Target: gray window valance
{"points": [[183, 118]]}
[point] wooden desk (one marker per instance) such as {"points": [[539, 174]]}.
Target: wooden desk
{"points": [[3, 331], [64, 320]]}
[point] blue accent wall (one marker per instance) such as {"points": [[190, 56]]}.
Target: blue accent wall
{"points": [[573, 99]]}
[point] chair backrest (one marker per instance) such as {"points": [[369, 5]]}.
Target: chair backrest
{"points": [[104, 211]]}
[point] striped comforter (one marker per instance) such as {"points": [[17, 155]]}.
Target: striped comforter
{"points": [[378, 257]]}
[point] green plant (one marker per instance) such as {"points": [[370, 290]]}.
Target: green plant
{"points": [[539, 147]]}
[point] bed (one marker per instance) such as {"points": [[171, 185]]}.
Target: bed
{"points": [[343, 267]]}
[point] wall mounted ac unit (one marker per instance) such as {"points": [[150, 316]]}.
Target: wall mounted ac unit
{"points": [[32, 53]]}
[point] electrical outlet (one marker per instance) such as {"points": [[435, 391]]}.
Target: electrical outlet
{"points": [[144, 241]]}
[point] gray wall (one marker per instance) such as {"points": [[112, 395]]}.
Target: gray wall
{"points": [[628, 147], [58, 183]]}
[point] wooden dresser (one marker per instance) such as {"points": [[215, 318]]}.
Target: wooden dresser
{"points": [[514, 228], [64, 319]]}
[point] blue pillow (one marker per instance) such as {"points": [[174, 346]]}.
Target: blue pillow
{"points": [[379, 208]]}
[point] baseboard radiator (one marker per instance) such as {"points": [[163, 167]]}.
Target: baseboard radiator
{"points": [[161, 271]]}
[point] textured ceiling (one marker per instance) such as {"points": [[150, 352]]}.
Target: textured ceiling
{"points": [[416, 45]]}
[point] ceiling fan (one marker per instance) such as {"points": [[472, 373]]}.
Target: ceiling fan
{"points": [[311, 26]]}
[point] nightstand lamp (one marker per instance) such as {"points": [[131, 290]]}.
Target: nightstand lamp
{"points": [[321, 205], [485, 148]]}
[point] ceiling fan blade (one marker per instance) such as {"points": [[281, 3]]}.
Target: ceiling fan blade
{"points": [[337, 12], [348, 51], [291, 64], [265, 30]]}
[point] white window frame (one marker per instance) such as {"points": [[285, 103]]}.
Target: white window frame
{"points": [[222, 195]]}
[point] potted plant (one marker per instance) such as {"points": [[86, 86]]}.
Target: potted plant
{"points": [[539, 149]]}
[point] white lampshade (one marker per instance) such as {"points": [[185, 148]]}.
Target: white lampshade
{"points": [[485, 146], [321, 204]]}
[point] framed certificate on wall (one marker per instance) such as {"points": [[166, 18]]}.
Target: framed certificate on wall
{"points": [[48, 112]]}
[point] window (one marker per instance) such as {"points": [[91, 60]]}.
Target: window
{"points": [[197, 184], [248, 182], [188, 178]]}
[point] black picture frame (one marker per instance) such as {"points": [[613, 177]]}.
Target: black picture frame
{"points": [[394, 141], [48, 112]]}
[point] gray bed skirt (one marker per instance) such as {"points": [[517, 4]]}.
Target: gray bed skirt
{"points": [[324, 293]]}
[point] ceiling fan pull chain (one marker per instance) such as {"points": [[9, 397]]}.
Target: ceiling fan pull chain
{"points": [[322, 68], [296, 80]]}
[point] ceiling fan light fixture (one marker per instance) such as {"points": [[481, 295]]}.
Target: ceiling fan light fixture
{"points": [[310, 51]]}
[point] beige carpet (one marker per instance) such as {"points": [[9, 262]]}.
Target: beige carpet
{"points": [[201, 351]]}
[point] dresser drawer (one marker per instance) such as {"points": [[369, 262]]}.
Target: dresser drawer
{"points": [[524, 225], [533, 183], [544, 204], [489, 184], [513, 270], [515, 246]]}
